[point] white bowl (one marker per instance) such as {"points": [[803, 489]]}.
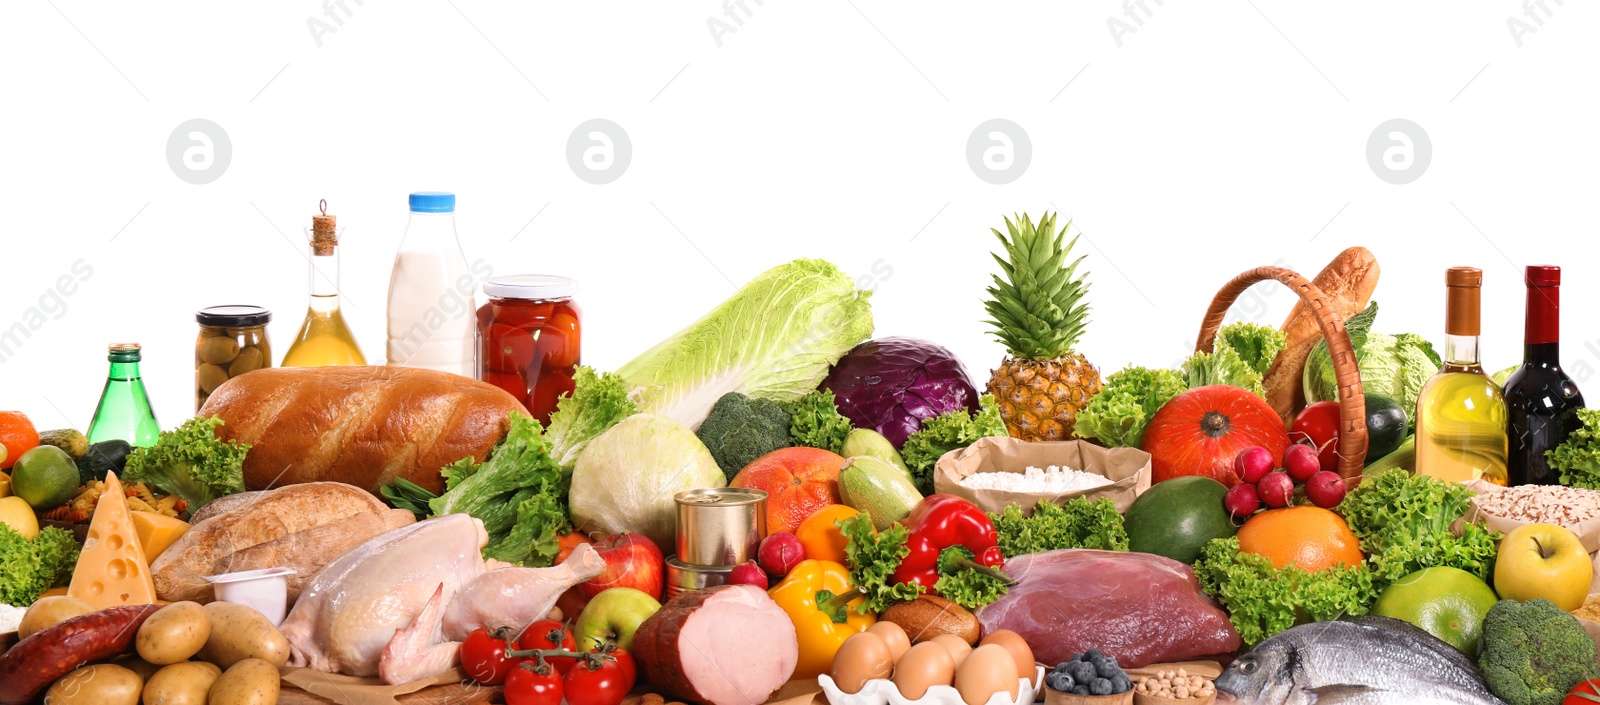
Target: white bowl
{"points": [[881, 691], [265, 590]]}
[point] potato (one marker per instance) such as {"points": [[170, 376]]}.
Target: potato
{"points": [[50, 611], [239, 632], [104, 684], [248, 682], [187, 683], [173, 634], [140, 667]]}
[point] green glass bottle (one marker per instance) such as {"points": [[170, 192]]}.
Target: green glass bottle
{"points": [[124, 410]]}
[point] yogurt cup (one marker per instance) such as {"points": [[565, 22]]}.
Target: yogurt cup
{"points": [[265, 590]]}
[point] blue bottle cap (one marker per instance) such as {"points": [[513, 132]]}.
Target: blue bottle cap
{"points": [[433, 202]]}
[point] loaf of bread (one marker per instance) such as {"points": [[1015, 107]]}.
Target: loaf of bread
{"points": [[304, 527], [1348, 281], [363, 426]]}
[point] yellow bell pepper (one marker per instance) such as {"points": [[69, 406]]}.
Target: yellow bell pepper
{"points": [[809, 595]]}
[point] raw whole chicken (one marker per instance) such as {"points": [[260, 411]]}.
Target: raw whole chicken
{"points": [[1136, 607], [399, 605]]}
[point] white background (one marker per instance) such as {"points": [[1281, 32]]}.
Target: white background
{"points": [[1218, 136]]}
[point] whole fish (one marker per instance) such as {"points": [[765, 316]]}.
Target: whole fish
{"points": [[1362, 661]]}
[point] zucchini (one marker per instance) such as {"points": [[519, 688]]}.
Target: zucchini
{"points": [[1403, 457]]}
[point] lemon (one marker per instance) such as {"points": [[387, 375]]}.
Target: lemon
{"points": [[45, 476], [16, 513], [1448, 603]]}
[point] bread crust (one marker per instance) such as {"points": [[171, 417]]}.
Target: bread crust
{"points": [[1348, 281]]}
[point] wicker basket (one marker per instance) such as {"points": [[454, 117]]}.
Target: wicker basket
{"points": [[1352, 448]]}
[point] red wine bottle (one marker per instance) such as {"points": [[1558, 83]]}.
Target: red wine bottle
{"points": [[1541, 399]]}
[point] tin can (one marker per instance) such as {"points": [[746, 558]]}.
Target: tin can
{"points": [[721, 526], [683, 577]]}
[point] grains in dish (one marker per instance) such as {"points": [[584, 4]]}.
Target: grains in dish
{"points": [[1055, 479], [1550, 504]]}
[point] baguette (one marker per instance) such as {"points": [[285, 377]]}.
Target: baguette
{"points": [[363, 426], [304, 527], [1348, 281]]}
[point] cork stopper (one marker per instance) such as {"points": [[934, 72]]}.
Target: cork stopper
{"points": [[1463, 303], [324, 231]]}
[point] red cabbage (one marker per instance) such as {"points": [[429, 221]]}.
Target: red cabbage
{"points": [[891, 384]]}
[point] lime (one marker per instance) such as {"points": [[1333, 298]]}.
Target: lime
{"points": [[45, 477], [1448, 603], [16, 514]]}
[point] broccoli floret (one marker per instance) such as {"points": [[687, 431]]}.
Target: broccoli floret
{"points": [[1533, 652], [740, 429]]}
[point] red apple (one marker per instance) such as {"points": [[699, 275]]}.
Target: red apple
{"points": [[632, 560]]}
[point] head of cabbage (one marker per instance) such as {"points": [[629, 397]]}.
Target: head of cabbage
{"points": [[626, 477], [1394, 366]]}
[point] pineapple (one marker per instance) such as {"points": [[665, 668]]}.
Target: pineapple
{"points": [[1038, 312]]}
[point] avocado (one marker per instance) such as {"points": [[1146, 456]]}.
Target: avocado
{"points": [[870, 485], [865, 441], [1386, 426], [1176, 518]]}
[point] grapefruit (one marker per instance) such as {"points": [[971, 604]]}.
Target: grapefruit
{"points": [[798, 481], [1312, 538], [1448, 603], [1177, 517]]}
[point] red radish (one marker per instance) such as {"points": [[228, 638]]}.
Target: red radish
{"points": [[1325, 489], [748, 573], [780, 552], [1252, 464], [1241, 501], [1276, 489], [1301, 462]]}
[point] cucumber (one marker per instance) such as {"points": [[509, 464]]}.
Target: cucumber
{"points": [[1403, 457]]}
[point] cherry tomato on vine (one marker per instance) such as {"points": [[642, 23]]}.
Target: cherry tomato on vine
{"points": [[526, 685], [483, 655], [550, 634]]}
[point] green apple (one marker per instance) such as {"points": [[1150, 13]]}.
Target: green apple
{"points": [[612, 617], [1543, 560]]}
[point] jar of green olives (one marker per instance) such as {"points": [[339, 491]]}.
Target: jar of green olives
{"points": [[233, 341]]}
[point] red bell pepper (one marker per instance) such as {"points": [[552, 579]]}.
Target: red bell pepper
{"points": [[948, 533]]}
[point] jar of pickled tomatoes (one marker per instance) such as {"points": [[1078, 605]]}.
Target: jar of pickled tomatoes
{"points": [[531, 335]]}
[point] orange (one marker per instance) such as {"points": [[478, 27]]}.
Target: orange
{"points": [[820, 539], [1312, 538], [798, 481], [18, 436]]}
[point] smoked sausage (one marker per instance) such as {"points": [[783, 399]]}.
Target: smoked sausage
{"points": [[34, 663]]}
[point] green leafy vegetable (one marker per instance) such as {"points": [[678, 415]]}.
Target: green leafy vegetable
{"points": [[597, 402], [28, 567], [946, 432], [775, 338], [815, 421], [190, 462], [1403, 521], [1578, 457], [872, 557], [970, 588], [516, 493], [740, 429], [1262, 600], [408, 495], [1394, 366], [1241, 355], [1116, 416], [1080, 523]]}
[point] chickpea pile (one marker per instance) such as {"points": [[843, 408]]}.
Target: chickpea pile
{"points": [[1176, 685]]}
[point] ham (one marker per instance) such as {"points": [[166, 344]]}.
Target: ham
{"points": [[1138, 608], [727, 645]]}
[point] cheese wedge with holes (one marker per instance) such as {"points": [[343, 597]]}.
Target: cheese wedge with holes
{"points": [[157, 532], [112, 570]]}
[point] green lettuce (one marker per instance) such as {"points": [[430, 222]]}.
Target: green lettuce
{"points": [[946, 432], [1578, 457], [190, 462], [31, 566], [517, 493], [775, 339], [1262, 600], [1393, 366], [1117, 415], [597, 402], [815, 422], [1240, 357]]}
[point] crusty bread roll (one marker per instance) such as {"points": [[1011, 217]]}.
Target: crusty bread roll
{"points": [[1348, 281], [363, 426], [304, 527]]}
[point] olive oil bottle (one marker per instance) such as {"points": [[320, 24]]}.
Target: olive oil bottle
{"points": [[324, 337], [1461, 415]]}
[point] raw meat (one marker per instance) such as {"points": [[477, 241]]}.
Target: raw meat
{"points": [[1136, 607], [727, 645]]}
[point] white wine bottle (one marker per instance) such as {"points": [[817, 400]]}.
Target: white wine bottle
{"points": [[1461, 415]]}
